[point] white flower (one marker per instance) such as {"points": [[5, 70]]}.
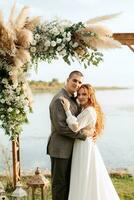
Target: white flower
{"points": [[55, 31], [17, 98], [75, 45], [39, 26], [71, 43], [4, 80], [63, 45], [15, 84], [47, 43], [17, 111], [45, 48], [68, 39], [61, 29], [2, 101], [62, 53], [53, 43], [26, 109], [8, 103], [64, 34], [51, 51], [7, 86], [33, 49], [10, 73], [59, 40], [69, 34], [26, 102], [59, 48], [66, 23], [22, 97], [37, 36], [64, 39], [92, 34], [9, 109], [2, 116], [18, 89], [43, 28], [33, 42], [2, 52]]}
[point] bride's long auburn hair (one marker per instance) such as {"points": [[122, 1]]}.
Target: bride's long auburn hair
{"points": [[93, 102]]}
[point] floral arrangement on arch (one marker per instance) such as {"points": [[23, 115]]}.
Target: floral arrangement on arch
{"points": [[25, 41], [79, 41]]}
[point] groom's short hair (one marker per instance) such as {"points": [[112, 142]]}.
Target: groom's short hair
{"points": [[78, 73]]}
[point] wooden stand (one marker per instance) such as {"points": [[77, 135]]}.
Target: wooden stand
{"points": [[125, 39], [38, 181], [16, 160]]}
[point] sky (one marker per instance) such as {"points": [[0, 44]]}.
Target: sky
{"points": [[117, 69]]}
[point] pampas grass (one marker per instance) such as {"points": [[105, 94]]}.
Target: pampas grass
{"points": [[22, 55], [7, 40], [98, 29], [104, 35], [22, 17], [103, 43], [17, 62], [12, 13], [24, 38], [16, 35], [1, 18], [31, 24], [102, 40], [102, 18]]}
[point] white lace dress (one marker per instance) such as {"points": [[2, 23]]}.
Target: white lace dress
{"points": [[89, 177]]}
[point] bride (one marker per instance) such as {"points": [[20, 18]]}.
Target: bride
{"points": [[89, 177]]}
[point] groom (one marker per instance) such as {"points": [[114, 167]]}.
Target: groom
{"points": [[61, 140]]}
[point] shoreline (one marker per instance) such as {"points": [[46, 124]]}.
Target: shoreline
{"points": [[55, 89], [55, 85], [117, 172]]}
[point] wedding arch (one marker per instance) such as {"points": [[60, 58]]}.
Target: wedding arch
{"points": [[25, 41]]}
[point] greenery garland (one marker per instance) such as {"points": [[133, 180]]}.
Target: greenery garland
{"points": [[62, 39]]}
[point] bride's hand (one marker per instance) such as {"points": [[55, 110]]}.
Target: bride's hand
{"points": [[94, 136], [88, 132], [65, 103]]}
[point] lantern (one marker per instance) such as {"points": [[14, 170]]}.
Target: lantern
{"points": [[19, 193], [38, 181], [2, 193]]}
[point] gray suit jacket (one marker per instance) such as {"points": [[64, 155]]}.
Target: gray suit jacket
{"points": [[61, 140]]}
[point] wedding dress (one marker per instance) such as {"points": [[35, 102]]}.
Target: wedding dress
{"points": [[89, 177]]}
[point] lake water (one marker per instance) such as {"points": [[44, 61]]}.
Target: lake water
{"points": [[116, 144]]}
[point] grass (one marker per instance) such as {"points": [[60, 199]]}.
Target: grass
{"points": [[124, 186]]}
